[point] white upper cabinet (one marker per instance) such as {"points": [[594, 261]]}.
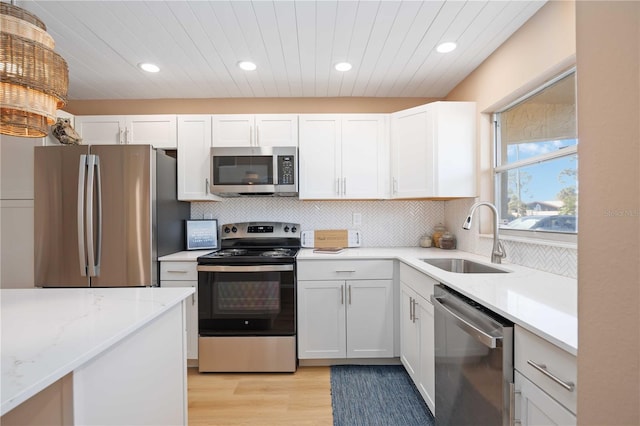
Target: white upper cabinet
{"points": [[101, 129], [194, 159], [261, 130], [343, 156], [433, 151], [320, 156], [160, 131]]}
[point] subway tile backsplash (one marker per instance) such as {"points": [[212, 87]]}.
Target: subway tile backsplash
{"points": [[387, 224]]}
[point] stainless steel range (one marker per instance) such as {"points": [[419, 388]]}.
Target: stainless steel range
{"points": [[247, 299]]}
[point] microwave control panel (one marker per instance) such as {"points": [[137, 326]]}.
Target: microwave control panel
{"points": [[286, 170]]}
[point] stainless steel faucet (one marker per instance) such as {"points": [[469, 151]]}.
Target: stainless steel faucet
{"points": [[497, 252]]}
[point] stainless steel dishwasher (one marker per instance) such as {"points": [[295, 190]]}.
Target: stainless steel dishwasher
{"points": [[473, 362]]}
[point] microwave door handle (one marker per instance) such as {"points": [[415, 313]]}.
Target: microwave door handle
{"points": [[276, 170], [82, 255]]}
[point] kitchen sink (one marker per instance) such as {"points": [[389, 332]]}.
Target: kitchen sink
{"points": [[463, 266]]}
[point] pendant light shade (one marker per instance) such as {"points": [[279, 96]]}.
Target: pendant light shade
{"points": [[33, 78]]}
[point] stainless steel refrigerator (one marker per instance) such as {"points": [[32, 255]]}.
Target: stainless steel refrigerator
{"points": [[104, 214]]}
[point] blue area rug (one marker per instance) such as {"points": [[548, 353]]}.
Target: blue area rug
{"points": [[381, 395]]}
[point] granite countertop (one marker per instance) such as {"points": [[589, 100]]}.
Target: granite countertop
{"points": [[47, 333], [543, 303]]}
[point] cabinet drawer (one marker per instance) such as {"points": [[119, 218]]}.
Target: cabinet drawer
{"points": [[345, 270], [530, 349], [178, 271], [418, 281]]}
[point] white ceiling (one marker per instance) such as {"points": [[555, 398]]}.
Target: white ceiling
{"points": [[295, 44]]}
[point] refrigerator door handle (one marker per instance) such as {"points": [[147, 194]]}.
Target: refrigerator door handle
{"points": [[92, 161], [99, 215], [82, 255]]}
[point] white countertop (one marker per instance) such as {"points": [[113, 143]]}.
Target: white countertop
{"points": [[47, 333], [184, 256], [544, 303]]}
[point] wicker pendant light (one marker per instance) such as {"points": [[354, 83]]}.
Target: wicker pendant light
{"points": [[33, 78]]}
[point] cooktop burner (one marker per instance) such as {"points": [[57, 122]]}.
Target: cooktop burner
{"points": [[256, 242]]}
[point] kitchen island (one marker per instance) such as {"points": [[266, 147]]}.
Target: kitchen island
{"points": [[101, 355]]}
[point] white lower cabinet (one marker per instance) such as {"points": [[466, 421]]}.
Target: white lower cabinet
{"points": [[345, 309], [537, 408], [545, 381], [417, 351], [184, 274]]}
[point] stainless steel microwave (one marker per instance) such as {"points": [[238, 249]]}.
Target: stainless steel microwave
{"points": [[266, 171]]}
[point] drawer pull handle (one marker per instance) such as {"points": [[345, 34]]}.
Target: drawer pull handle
{"points": [[570, 386], [177, 271], [345, 272]]}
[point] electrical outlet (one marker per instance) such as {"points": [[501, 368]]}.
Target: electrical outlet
{"points": [[357, 219]]}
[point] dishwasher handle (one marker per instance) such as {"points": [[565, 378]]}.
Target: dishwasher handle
{"points": [[470, 328]]}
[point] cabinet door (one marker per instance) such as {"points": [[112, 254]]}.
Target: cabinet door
{"points": [[191, 315], [276, 130], [412, 153], [369, 319], [536, 408], [453, 129], [427, 370], [364, 156], [320, 157], [101, 129], [409, 336], [156, 130], [16, 167], [194, 156], [233, 130], [321, 319], [16, 244]]}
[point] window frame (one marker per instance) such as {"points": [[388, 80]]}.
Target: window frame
{"points": [[498, 168]]}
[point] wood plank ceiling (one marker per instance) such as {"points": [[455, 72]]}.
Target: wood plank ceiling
{"points": [[295, 44]]}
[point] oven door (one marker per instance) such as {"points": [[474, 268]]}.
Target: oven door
{"points": [[246, 300]]}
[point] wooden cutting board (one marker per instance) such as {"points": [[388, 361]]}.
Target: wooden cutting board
{"points": [[331, 238]]}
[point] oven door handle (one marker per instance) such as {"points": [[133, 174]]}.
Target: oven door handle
{"points": [[246, 268]]}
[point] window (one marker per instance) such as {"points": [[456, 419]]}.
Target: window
{"points": [[536, 173]]}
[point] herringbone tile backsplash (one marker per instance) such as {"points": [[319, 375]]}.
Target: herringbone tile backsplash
{"points": [[388, 224], [384, 223]]}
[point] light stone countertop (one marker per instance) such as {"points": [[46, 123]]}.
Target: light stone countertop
{"points": [[47, 333], [184, 256], [543, 303]]}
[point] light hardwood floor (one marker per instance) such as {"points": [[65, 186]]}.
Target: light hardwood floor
{"points": [[300, 398]]}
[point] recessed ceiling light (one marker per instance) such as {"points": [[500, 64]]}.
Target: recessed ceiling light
{"points": [[446, 47], [342, 66], [247, 65], [149, 67]]}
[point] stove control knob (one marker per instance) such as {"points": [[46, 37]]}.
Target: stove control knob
{"points": [[226, 230], [286, 229], [234, 229], [294, 229]]}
